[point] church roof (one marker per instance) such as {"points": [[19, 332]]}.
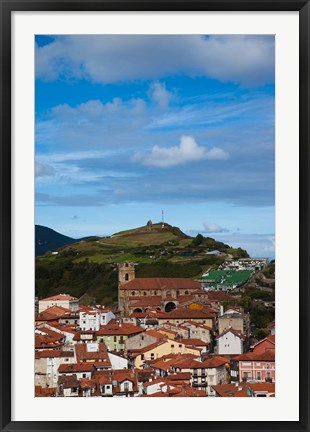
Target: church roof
{"points": [[160, 284]]}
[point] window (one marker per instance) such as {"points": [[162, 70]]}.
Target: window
{"points": [[267, 366], [186, 292], [133, 293], [142, 356], [246, 363], [155, 292], [168, 293], [84, 375], [126, 386], [152, 356], [115, 339], [107, 387], [172, 346], [144, 293], [126, 276], [258, 376]]}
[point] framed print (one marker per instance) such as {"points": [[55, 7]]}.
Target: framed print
{"points": [[154, 215]]}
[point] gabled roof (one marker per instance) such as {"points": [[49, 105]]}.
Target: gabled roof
{"points": [[233, 331], [214, 362], [59, 297], [86, 383]]}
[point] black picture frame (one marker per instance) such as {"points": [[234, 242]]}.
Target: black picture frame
{"points": [[7, 7]]}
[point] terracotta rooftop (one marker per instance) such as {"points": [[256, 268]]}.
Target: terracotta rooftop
{"points": [[45, 391], [268, 356], [161, 283], [59, 297], [214, 362], [53, 353], [75, 367], [188, 314], [119, 329], [194, 342], [86, 383], [83, 355], [68, 381]]}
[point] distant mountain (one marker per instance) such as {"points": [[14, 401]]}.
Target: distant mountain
{"points": [[48, 240]]}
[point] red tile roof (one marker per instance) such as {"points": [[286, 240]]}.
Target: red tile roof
{"points": [[46, 341], [218, 296], [45, 391], [160, 284], [187, 314], [53, 353], [75, 367], [194, 342], [86, 383], [214, 362], [119, 329], [83, 355], [268, 356], [59, 297], [145, 301]]}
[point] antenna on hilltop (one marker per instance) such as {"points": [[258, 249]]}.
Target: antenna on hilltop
{"points": [[162, 219]]}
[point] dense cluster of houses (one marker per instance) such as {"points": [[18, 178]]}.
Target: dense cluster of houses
{"points": [[196, 349]]}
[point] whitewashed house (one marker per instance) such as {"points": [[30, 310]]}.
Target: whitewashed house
{"points": [[230, 342]]}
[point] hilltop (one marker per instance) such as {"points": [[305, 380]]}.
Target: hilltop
{"points": [[87, 268], [46, 239]]}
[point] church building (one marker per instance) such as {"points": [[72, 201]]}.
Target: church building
{"points": [[165, 294]]}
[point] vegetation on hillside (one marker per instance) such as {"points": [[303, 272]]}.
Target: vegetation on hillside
{"points": [[87, 269]]}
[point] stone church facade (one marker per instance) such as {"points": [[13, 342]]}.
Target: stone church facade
{"points": [[165, 294]]}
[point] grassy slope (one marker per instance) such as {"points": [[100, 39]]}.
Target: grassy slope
{"points": [[88, 268]]}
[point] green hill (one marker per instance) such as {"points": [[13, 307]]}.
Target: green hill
{"points": [[88, 268], [46, 239]]}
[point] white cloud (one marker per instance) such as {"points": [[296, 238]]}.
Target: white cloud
{"points": [[214, 228], [44, 170], [248, 59], [160, 94], [257, 245], [187, 151]]}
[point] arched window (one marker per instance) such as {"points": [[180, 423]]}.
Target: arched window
{"points": [[126, 276], [144, 293], [186, 292], [133, 293]]}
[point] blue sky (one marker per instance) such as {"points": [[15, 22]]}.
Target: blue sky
{"points": [[128, 126]]}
